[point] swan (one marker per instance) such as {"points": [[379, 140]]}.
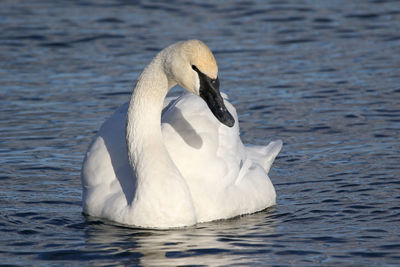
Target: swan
{"points": [[164, 163]]}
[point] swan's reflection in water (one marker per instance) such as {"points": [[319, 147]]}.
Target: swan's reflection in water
{"points": [[225, 242]]}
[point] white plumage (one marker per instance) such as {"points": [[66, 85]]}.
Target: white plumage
{"points": [[187, 167]]}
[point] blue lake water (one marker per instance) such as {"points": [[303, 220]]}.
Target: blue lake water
{"points": [[323, 76]]}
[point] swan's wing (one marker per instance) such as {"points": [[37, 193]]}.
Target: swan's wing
{"points": [[108, 183], [223, 179], [264, 155], [196, 139]]}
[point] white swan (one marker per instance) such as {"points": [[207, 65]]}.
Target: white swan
{"points": [[162, 164]]}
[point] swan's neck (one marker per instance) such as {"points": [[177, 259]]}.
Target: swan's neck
{"points": [[143, 128], [161, 192]]}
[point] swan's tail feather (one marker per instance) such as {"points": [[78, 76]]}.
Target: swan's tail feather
{"points": [[270, 152], [265, 155]]}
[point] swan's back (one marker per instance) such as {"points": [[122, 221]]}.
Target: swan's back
{"points": [[222, 175]]}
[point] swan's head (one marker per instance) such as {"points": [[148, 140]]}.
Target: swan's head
{"points": [[193, 67]]}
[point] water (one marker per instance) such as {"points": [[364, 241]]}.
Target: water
{"points": [[323, 76]]}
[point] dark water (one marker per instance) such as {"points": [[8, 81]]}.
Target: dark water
{"points": [[323, 76]]}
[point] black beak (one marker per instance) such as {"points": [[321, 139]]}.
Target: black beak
{"points": [[209, 91]]}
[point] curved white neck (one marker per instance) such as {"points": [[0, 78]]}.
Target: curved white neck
{"points": [[161, 192], [143, 123]]}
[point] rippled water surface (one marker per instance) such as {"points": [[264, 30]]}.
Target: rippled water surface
{"points": [[323, 76]]}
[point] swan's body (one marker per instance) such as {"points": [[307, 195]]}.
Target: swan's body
{"points": [[164, 164]]}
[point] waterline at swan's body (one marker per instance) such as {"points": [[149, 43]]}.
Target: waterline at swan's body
{"points": [[158, 164]]}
